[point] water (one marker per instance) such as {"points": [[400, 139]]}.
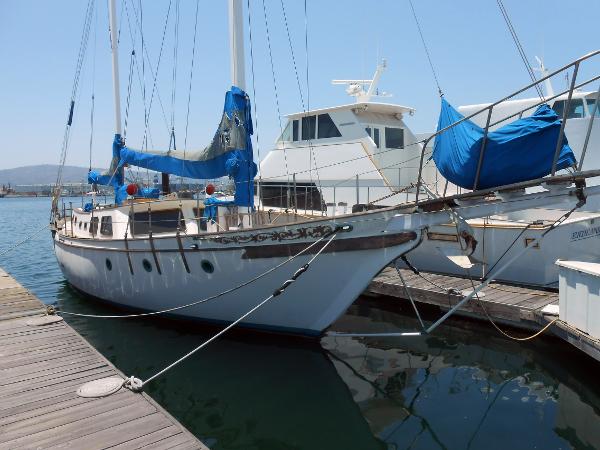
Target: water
{"points": [[463, 387]]}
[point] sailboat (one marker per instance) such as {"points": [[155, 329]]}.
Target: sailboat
{"points": [[228, 260]]}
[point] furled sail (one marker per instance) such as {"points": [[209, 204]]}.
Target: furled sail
{"points": [[520, 151], [229, 154]]}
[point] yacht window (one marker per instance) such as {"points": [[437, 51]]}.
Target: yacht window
{"points": [[394, 137], [158, 221], [575, 108], [308, 127], [590, 103], [374, 133], [295, 127], [287, 133], [327, 128], [106, 226], [94, 226]]}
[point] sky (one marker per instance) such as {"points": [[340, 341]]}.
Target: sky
{"points": [[474, 56]]}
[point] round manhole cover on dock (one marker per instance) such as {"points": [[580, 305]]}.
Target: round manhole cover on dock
{"points": [[101, 387]]}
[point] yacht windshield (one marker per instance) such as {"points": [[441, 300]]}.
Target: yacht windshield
{"points": [[591, 102], [576, 110]]}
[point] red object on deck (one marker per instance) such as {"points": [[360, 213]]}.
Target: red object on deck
{"points": [[132, 189], [210, 189]]}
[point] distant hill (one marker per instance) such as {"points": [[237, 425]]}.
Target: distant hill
{"points": [[42, 174]]}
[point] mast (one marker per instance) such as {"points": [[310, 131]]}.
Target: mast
{"points": [[112, 11], [236, 43]]}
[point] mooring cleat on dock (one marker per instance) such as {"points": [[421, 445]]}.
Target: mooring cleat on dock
{"points": [[100, 388], [134, 384], [44, 320]]}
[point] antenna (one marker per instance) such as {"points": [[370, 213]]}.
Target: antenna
{"points": [[544, 72], [355, 88]]}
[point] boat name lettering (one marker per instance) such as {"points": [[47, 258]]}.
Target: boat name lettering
{"points": [[584, 234]]}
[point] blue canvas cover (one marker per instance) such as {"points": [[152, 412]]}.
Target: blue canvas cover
{"points": [[229, 154], [520, 151]]}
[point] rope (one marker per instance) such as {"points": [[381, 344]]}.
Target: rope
{"points": [[35, 233], [204, 300], [522, 54], [437, 83], [504, 333], [552, 227], [137, 385]]}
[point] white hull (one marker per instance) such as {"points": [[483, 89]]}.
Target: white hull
{"points": [[307, 307], [578, 239]]}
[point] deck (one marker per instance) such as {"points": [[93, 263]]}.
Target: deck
{"points": [[41, 368], [517, 307]]}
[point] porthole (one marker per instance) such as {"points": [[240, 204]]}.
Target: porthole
{"points": [[207, 266], [147, 265], [108, 264]]}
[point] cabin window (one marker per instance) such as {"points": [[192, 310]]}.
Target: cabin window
{"points": [[287, 133], [106, 226], [165, 221], [94, 226], [575, 108], [590, 104], [374, 133], [295, 131], [308, 127], [327, 128], [394, 137]]}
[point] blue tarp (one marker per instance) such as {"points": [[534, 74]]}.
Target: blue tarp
{"points": [[210, 207], [520, 151], [229, 154]]}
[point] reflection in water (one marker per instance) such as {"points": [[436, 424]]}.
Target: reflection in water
{"points": [[463, 387]]}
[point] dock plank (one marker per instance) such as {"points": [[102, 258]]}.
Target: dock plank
{"points": [[40, 371], [518, 306]]}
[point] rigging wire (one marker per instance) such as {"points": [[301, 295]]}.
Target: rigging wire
{"points": [[155, 78], [93, 85], [517, 42], [312, 153], [189, 99], [275, 86], [256, 134], [137, 384], [433, 71], [197, 302], [287, 29], [76, 78]]}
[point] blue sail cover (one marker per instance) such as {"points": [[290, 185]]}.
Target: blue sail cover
{"points": [[229, 154], [520, 151]]}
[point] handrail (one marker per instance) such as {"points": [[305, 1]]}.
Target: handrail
{"points": [[575, 64]]}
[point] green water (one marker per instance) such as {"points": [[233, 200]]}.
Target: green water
{"points": [[463, 387]]}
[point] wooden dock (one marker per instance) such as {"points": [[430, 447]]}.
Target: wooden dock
{"points": [[41, 368], [517, 307]]}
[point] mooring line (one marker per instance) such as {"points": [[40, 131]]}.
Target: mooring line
{"points": [[204, 300], [136, 385], [35, 233]]}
